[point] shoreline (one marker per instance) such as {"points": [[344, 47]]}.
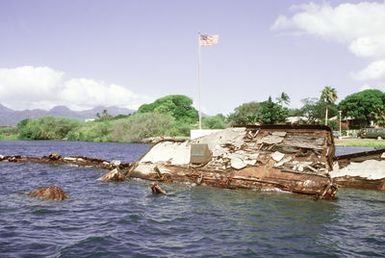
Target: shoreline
{"points": [[357, 142], [347, 142]]}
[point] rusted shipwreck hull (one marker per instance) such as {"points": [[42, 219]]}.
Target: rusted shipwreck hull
{"points": [[56, 159], [289, 158], [364, 170]]}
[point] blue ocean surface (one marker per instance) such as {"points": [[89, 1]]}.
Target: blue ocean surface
{"points": [[126, 220]]}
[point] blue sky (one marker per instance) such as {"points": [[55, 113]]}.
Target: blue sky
{"points": [[86, 53]]}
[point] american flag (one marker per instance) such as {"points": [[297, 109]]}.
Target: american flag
{"points": [[208, 40]]}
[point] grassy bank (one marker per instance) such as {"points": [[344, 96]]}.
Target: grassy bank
{"points": [[355, 142], [124, 129], [8, 133]]}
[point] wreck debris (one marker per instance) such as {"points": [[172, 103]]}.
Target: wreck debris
{"points": [[370, 169], [156, 189], [200, 154], [277, 156], [114, 175], [260, 151], [289, 158], [280, 134], [295, 159], [364, 170], [282, 162], [115, 163], [50, 193], [54, 156], [199, 179], [74, 161], [237, 163], [155, 140], [172, 152], [270, 139]]}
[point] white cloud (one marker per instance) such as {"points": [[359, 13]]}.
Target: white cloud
{"points": [[371, 46], [374, 71], [379, 86], [365, 87], [361, 27], [43, 87], [84, 93], [28, 83]]}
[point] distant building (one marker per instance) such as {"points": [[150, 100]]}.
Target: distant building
{"points": [[349, 123], [296, 120]]}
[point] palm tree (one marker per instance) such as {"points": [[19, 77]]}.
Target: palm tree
{"points": [[329, 96], [104, 115], [283, 99]]}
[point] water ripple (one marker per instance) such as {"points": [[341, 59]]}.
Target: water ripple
{"points": [[125, 220]]}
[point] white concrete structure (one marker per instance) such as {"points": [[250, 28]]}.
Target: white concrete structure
{"points": [[177, 153], [196, 133], [370, 169]]}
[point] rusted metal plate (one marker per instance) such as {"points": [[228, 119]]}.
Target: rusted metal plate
{"points": [[361, 183]]}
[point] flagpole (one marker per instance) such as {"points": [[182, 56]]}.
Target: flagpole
{"points": [[199, 81]]}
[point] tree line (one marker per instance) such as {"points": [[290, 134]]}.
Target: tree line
{"points": [[174, 115]]}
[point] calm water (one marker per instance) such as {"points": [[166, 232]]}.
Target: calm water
{"points": [[125, 220]]}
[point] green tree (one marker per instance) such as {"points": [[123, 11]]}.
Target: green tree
{"points": [[328, 96], [295, 112], [121, 116], [46, 128], [379, 115], [273, 113], [246, 114], [178, 106], [312, 109], [215, 122], [96, 131], [130, 129], [23, 128], [8, 133], [367, 105], [143, 125], [266, 112], [283, 99], [104, 116]]}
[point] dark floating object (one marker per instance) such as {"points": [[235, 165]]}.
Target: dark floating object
{"points": [[50, 193], [114, 175], [54, 156], [156, 189]]}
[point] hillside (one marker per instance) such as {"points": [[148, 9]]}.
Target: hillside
{"points": [[9, 117]]}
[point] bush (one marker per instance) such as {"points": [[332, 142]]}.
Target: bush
{"points": [[98, 131], [46, 128], [8, 133], [142, 125], [133, 128], [215, 122], [178, 106]]}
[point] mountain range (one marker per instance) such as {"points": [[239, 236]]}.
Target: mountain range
{"points": [[10, 117]]}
